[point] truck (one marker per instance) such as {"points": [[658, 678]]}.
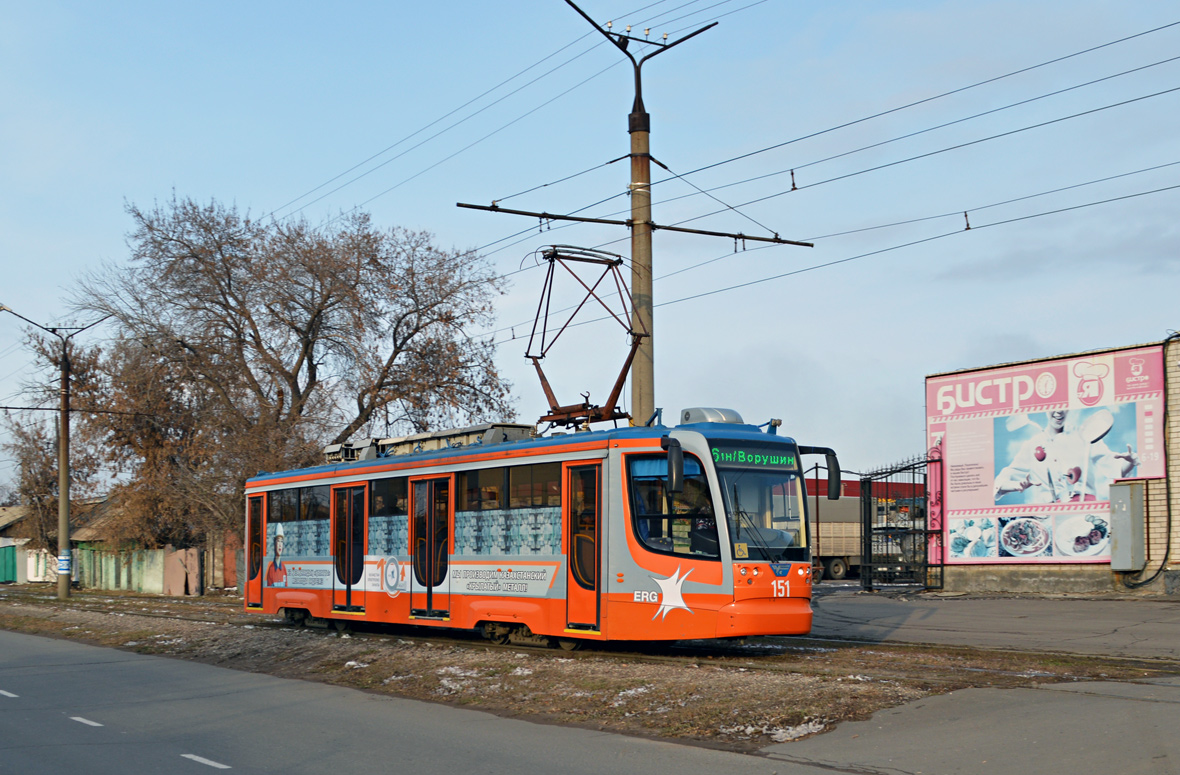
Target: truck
{"points": [[835, 530], [837, 526]]}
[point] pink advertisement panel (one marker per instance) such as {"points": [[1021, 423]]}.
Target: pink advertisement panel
{"points": [[1029, 453]]}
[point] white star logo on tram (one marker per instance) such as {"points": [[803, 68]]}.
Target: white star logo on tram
{"points": [[671, 597]]}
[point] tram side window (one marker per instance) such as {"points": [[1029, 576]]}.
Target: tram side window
{"points": [[687, 525], [283, 506], [298, 504], [313, 502], [481, 490], [389, 524], [535, 485], [390, 498]]}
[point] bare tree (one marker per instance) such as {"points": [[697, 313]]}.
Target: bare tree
{"points": [[246, 346], [33, 440]]}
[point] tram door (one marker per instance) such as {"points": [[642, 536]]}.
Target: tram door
{"points": [[583, 518], [254, 550], [430, 539], [348, 548]]}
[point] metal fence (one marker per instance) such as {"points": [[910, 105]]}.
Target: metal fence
{"points": [[901, 543]]}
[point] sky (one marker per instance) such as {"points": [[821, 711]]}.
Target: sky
{"points": [[900, 121]]}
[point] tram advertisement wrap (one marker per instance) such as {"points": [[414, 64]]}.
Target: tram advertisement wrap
{"points": [[518, 580], [1029, 453]]}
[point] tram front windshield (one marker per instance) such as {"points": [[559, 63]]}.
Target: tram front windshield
{"points": [[764, 500]]}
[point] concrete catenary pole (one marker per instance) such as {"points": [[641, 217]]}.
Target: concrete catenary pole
{"points": [[643, 390], [643, 380]]}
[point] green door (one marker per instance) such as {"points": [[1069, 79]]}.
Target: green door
{"points": [[7, 564]]}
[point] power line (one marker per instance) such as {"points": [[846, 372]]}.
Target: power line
{"points": [[914, 242], [868, 118], [715, 199], [75, 410], [795, 187], [487, 136], [928, 154], [559, 180], [955, 213], [459, 122], [884, 250], [440, 132], [909, 221], [473, 144], [931, 99], [927, 130], [994, 204], [612, 161]]}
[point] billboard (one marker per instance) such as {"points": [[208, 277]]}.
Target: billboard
{"points": [[1029, 452]]}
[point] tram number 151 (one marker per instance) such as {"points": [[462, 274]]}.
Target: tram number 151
{"points": [[780, 588]]}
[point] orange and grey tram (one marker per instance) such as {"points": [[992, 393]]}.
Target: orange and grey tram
{"points": [[641, 533]]}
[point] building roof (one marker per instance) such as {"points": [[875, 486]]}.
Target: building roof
{"points": [[84, 513], [11, 515]]}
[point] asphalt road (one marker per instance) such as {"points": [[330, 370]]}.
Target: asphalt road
{"points": [[1138, 628], [68, 707]]}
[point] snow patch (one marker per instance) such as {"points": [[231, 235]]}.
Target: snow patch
{"points": [[777, 734]]}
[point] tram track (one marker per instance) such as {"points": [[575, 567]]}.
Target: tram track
{"points": [[721, 653], [744, 655], [688, 690]]}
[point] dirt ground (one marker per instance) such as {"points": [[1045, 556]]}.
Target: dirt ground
{"points": [[738, 696]]}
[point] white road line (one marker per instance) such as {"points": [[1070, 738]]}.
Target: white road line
{"points": [[8, 694], [203, 760], [85, 721]]}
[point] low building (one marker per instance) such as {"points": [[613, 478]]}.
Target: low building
{"points": [[1055, 474]]}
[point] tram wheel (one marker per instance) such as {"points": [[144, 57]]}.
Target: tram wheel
{"points": [[296, 617], [569, 644], [497, 633], [340, 624]]}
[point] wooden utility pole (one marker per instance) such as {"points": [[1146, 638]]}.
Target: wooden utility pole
{"points": [[64, 554]]}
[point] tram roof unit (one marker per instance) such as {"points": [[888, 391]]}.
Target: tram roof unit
{"points": [[508, 439]]}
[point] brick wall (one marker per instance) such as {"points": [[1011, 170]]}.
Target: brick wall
{"points": [[1158, 538]]}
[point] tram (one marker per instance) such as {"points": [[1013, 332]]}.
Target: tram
{"points": [[649, 533]]}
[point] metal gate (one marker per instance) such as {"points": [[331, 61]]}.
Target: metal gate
{"points": [[900, 526]]}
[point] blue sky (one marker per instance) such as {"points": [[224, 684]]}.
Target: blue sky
{"points": [[259, 103]]}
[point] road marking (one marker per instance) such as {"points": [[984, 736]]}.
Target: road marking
{"points": [[203, 760], [85, 721], [8, 694]]}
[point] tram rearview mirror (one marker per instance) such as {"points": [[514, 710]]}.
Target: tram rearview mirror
{"points": [[675, 464], [833, 476], [833, 468]]}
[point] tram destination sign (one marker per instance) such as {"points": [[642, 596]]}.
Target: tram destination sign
{"points": [[752, 455]]}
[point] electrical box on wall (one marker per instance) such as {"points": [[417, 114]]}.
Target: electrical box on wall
{"points": [[1128, 550]]}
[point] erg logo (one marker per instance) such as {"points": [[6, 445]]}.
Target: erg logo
{"points": [[646, 596]]}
